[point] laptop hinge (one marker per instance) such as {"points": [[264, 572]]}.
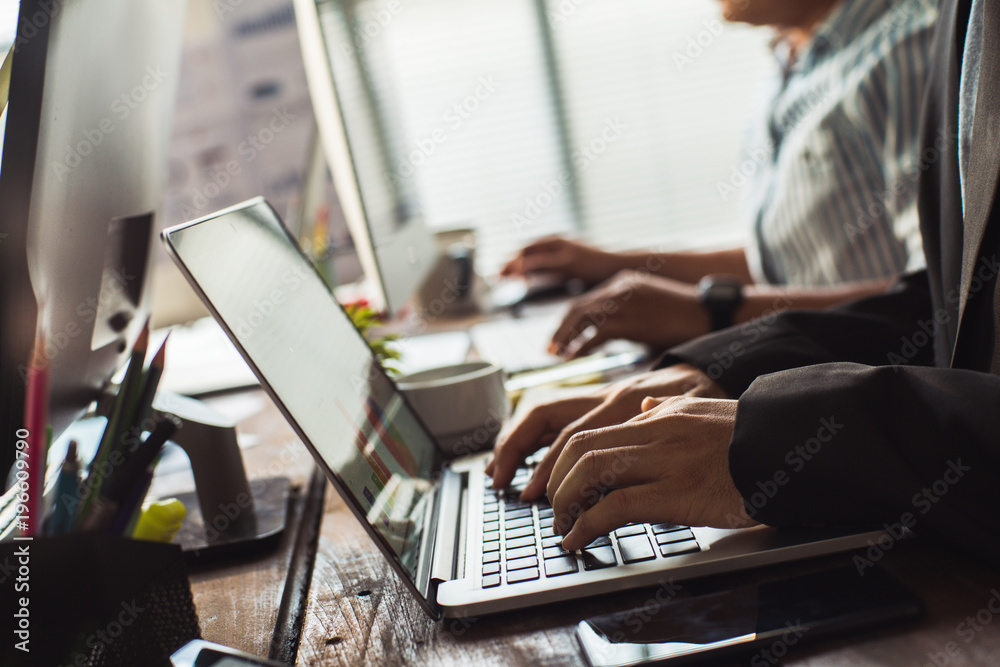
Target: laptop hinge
{"points": [[447, 533], [425, 585]]}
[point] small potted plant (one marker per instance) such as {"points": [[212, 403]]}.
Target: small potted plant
{"points": [[368, 321]]}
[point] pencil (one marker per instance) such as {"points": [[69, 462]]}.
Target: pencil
{"points": [[66, 492], [124, 478], [127, 489], [109, 441], [150, 382], [131, 388], [36, 408]]}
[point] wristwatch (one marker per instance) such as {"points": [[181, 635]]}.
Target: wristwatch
{"points": [[721, 296]]}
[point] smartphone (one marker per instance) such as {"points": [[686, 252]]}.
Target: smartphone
{"points": [[200, 653], [763, 622]]}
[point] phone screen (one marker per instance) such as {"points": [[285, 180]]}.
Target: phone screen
{"points": [[771, 618]]}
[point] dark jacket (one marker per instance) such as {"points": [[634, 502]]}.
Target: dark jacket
{"points": [[890, 413]]}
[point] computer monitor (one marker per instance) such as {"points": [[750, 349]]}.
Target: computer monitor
{"points": [[84, 159], [394, 247]]}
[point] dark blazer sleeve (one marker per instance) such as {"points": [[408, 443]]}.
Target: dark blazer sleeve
{"points": [[844, 444], [891, 328]]}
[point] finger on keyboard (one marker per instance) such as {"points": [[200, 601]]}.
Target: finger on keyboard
{"points": [[537, 429], [531, 434]]}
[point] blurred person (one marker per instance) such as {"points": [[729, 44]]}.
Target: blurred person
{"points": [[830, 205], [879, 413]]}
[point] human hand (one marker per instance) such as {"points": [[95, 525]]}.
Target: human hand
{"points": [[668, 464], [564, 258], [555, 423], [636, 306]]}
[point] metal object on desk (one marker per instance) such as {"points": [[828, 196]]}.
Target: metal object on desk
{"points": [[230, 515]]}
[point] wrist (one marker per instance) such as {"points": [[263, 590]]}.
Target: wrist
{"points": [[763, 302], [652, 263]]}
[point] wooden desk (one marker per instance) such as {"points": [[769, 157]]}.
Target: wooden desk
{"points": [[353, 610]]}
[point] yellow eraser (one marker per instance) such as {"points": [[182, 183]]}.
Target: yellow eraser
{"points": [[160, 521]]}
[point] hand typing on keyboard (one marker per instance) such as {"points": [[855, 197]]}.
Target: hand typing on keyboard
{"points": [[555, 423], [624, 459], [670, 463], [520, 542]]}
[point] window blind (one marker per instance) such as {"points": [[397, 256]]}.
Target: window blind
{"points": [[614, 120]]}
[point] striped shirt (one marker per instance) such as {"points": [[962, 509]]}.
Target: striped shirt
{"points": [[835, 156]]}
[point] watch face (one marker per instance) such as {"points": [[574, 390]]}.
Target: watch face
{"points": [[725, 292], [721, 296], [721, 290]]}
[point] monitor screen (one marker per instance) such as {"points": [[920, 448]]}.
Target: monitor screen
{"points": [[320, 370], [86, 133], [380, 206]]}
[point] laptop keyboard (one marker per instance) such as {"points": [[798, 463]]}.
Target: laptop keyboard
{"points": [[519, 543]]}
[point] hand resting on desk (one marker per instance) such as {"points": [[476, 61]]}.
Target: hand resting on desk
{"points": [[564, 258], [669, 460]]}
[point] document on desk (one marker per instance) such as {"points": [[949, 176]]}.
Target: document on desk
{"points": [[201, 359]]}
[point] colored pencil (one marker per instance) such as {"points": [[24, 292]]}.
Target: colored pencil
{"points": [[66, 493], [111, 437], [151, 381], [36, 418], [125, 477]]}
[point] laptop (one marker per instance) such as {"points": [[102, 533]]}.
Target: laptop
{"points": [[460, 547]]}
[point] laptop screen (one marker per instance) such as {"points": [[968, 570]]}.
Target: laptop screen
{"points": [[307, 352]]}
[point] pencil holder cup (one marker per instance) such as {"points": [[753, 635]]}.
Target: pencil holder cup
{"points": [[92, 600]]}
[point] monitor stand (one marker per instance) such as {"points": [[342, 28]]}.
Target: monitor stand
{"points": [[227, 514]]}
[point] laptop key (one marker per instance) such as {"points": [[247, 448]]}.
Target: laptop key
{"points": [[491, 517], [491, 557], [521, 563], [558, 566], [517, 523], [516, 505], [678, 548], [626, 531], [635, 548], [599, 542], [491, 580], [527, 541], [547, 531], [517, 576], [514, 554], [675, 536], [520, 532], [665, 528], [545, 522], [554, 552], [490, 526], [492, 535], [491, 568], [598, 557], [517, 514], [552, 541], [491, 546]]}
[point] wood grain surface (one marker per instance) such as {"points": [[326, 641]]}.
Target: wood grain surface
{"points": [[358, 613], [238, 601]]}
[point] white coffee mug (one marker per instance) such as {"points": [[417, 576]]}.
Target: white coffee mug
{"points": [[463, 405]]}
